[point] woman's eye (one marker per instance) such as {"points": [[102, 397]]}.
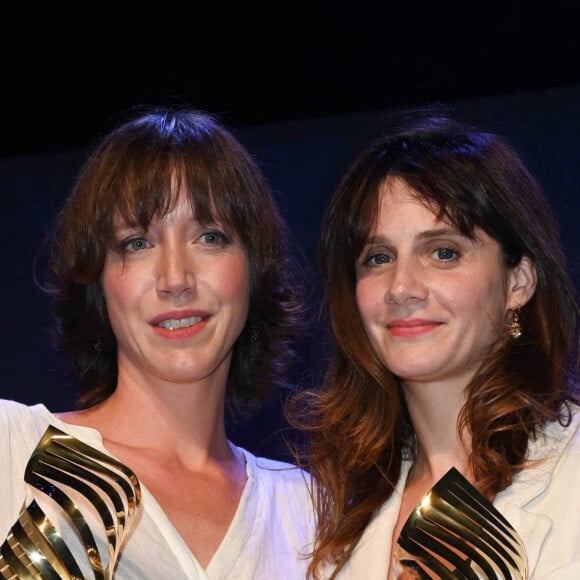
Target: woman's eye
{"points": [[214, 237], [445, 254], [135, 244], [378, 259]]}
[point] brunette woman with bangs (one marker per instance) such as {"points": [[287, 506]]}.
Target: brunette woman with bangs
{"points": [[444, 439], [178, 300]]}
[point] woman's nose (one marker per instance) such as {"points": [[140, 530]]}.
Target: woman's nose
{"points": [[407, 282], [176, 272]]}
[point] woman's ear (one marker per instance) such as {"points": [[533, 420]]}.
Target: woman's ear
{"points": [[522, 283]]}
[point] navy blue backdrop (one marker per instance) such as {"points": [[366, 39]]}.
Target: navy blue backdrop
{"points": [[303, 162]]}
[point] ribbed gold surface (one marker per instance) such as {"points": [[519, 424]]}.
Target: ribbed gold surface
{"points": [[456, 533], [34, 549]]}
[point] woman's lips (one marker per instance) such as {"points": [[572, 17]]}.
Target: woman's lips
{"points": [[180, 325], [181, 333], [411, 327]]}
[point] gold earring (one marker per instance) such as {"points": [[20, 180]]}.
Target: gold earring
{"points": [[514, 327]]}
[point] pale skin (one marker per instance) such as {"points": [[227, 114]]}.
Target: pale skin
{"points": [[165, 419], [434, 303]]}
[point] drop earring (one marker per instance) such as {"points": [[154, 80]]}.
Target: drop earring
{"points": [[514, 327]]}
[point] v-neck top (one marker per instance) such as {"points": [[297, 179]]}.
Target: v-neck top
{"points": [[272, 529]]}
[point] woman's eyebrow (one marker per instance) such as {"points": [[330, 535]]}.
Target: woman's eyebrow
{"points": [[440, 232], [423, 235]]}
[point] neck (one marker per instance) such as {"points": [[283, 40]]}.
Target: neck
{"points": [[434, 412], [177, 419]]}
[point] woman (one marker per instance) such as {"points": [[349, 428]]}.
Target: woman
{"points": [[445, 436], [176, 297]]}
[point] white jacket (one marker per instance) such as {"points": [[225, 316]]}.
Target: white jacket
{"points": [[542, 504]]}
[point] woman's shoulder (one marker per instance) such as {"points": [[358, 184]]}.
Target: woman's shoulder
{"points": [[274, 482], [22, 417], [572, 429], [275, 471], [558, 439], [22, 426]]}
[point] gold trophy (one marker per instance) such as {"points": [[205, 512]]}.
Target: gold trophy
{"points": [[456, 533], [72, 474]]}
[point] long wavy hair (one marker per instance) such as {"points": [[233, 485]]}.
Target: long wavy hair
{"points": [[357, 424], [139, 169]]}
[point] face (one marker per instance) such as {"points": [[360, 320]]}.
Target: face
{"points": [[433, 302], [177, 297]]}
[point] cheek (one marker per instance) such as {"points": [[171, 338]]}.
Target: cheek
{"points": [[233, 281], [119, 288], [368, 300], [477, 300]]}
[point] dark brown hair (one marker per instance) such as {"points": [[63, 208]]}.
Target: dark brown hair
{"points": [[358, 423], [134, 170]]}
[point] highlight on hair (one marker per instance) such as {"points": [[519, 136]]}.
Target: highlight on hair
{"points": [[140, 169], [357, 425]]}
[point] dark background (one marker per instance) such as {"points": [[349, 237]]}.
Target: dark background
{"points": [[304, 87], [70, 70]]}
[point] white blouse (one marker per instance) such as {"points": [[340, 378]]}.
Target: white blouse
{"points": [[272, 528]]}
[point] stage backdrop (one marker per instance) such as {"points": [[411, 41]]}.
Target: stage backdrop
{"points": [[303, 162]]}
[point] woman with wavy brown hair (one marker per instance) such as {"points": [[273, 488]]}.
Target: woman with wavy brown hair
{"points": [[444, 439], [179, 302]]}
